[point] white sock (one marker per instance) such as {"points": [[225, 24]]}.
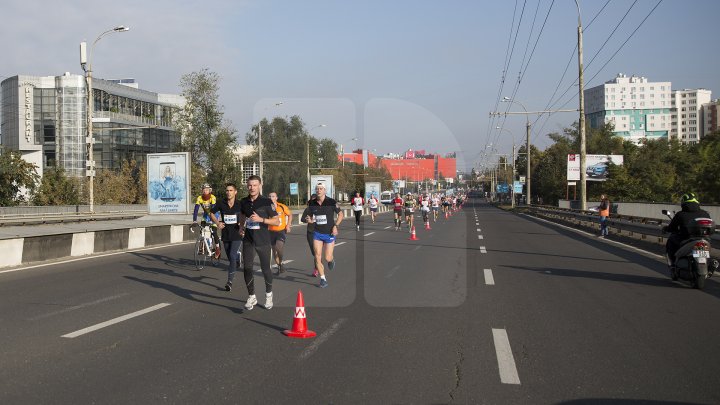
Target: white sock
{"points": [[323, 278], [268, 294]]}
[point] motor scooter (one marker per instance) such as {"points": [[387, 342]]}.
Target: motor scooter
{"points": [[692, 260]]}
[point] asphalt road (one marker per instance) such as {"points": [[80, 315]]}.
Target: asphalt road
{"points": [[486, 307]]}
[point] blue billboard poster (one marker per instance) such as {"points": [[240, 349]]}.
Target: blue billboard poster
{"points": [[293, 189], [168, 187], [517, 187]]}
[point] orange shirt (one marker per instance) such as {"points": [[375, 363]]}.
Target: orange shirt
{"points": [[283, 213]]}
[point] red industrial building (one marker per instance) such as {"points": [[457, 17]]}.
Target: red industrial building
{"points": [[411, 169]]}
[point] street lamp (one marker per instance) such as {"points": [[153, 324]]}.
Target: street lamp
{"points": [[307, 139], [86, 64], [260, 159], [581, 123], [527, 144], [342, 151]]}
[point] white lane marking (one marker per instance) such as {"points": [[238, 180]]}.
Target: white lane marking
{"points": [[114, 321], [274, 266], [321, 339], [506, 362], [480, 236], [390, 274], [68, 309], [388, 227], [477, 223], [96, 256], [600, 239], [417, 248], [368, 234], [482, 249], [489, 280], [479, 230], [340, 243]]}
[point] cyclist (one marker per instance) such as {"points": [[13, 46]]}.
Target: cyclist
{"points": [[373, 203], [397, 209], [410, 205], [277, 233], [206, 201]]}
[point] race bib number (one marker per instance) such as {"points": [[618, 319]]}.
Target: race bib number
{"points": [[252, 225], [321, 219], [230, 219]]}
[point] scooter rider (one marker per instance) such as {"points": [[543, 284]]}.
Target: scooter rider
{"points": [[682, 223]]}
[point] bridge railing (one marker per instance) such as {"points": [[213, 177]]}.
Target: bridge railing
{"points": [[29, 215]]}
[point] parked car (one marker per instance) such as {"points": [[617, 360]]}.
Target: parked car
{"points": [[597, 170]]}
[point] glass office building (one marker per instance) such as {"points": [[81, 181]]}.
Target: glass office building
{"points": [[45, 118]]}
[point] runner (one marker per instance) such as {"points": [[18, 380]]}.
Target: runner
{"points": [[425, 208], [310, 233], [323, 210], [232, 233], [373, 203], [277, 233], [357, 206], [435, 202], [257, 214], [397, 209], [410, 205], [445, 205]]}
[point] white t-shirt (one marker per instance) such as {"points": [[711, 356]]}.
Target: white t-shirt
{"points": [[357, 203], [373, 202]]}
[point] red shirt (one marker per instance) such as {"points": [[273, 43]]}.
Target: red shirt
{"points": [[398, 203]]}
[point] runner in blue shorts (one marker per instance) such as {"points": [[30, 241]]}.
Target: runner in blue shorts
{"points": [[322, 213]]}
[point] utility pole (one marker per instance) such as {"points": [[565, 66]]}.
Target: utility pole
{"points": [[527, 147], [581, 124]]}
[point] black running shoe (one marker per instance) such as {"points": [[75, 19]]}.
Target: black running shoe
{"points": [[228, 286]]}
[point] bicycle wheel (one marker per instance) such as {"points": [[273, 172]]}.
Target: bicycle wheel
{"points": [[200, 254]]}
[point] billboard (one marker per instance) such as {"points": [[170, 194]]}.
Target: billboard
{"points": [[326, 179], [168, 183], [398, 185], [596, 166], [372, 187]]}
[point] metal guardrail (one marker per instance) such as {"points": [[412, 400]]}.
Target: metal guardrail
{"points": [[639, 227], [34, 215]]}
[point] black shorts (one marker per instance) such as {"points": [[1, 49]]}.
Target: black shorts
{"points": [[277, 236]]}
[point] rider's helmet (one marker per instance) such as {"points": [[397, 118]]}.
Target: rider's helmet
{"points": [[206, 185], [688, 198]]}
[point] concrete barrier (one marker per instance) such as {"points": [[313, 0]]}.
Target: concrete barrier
{"points": [[48, 247], [12, 252], [83, 244]]}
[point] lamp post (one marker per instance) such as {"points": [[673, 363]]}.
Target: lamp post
{"points": [[581, 121], [342, 151], [260, 159], [527, 145], [307, 138], [86, 64]]}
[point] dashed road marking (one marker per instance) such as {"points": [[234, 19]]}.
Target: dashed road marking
{"points": [[480, 237], [321, 339], [340, 243], [68, 309], [482, 249], [114, 321], [506, 362], [394, 269], [388, 227], [479, 230], [489, 280], [368, 234]]}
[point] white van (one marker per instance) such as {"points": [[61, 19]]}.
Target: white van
{"points": [[386, 197]]}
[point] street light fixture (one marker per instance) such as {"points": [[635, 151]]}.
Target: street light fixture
{"points": [[86, 64], [342, 151], [307, 139], [260, 159]]}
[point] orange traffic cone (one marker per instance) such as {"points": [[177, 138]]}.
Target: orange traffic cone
{"points": [[412, 234], [299, 328], [446, 215], [427, 226]]}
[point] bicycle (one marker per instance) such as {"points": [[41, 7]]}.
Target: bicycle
{"points": [[204, 247]]}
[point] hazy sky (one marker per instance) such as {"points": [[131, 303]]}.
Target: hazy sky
{"points": [[395, 74]]}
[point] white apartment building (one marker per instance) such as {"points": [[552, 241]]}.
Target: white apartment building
{"points": [[638, 109], [687, 118]]}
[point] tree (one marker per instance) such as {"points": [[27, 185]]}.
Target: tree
{"points": [[16, 176], [204, 132], [121, 186], [57, 189]]}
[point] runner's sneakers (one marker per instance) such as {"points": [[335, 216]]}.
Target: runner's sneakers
{"points": [[281, 268], [217, 252], [323, 283], [228, 286], [331, 265], [251, 302], [268, 300]]}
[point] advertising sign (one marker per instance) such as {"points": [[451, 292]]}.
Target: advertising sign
{"points": [[168, 187], [398, 184], [596, 166], [370, 188], [517, 187], [502, 188], [327, 180], [293, 189]]}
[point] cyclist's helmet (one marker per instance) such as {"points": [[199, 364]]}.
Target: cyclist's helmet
{"points": [[689, 197], [206, 185]]}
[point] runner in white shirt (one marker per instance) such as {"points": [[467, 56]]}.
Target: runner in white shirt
{"points": [[435, 201], [373, 203], [425, 208], [357, 206]]}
